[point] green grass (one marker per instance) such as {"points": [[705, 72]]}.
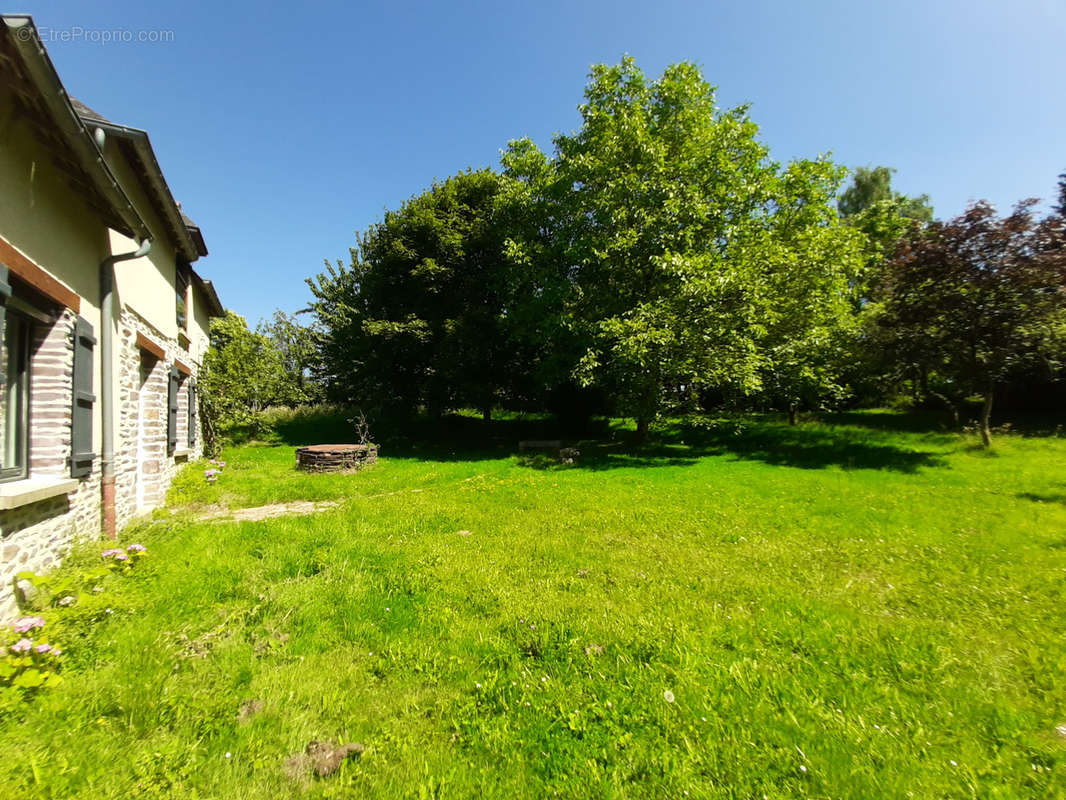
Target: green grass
{"points": [[870, 608]]}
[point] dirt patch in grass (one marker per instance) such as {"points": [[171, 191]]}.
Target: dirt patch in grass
{"points": [[321, 758], [294, 509]]}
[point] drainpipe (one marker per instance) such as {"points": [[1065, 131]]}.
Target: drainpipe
{"points": [[107, 372]]}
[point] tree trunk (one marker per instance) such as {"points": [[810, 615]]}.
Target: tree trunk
{"points": [[986, 416], [486, 414], [950, 406], [642, 429], [792, 409]]}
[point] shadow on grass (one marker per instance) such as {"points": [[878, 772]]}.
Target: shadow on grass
{"points": [[940, 422], [855, 440], [806, 446], [1056, 497], [619, 455]]}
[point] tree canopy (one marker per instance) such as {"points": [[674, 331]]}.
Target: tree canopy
{"points": [[420, 315], [657, 258], [978, 298], [678, 239]]}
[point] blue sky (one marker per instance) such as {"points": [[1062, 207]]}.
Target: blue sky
{"points": [[283, 131]]}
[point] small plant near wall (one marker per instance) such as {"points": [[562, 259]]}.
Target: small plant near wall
{"points": [[211, 474], [123, 560], [74, 600], [28, 662]]}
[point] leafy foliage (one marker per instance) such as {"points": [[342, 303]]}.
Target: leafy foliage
{"points": [[678, 256], [73, 599], [810, 262], [978, 299], [666, 202], [243, 372], [872, 186], [420, 316], [883, 216], [297, 349]]}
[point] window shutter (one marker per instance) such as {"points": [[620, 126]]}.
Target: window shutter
{"points": [[192, 413], [5, 292], [82, 455], [172, 411]]}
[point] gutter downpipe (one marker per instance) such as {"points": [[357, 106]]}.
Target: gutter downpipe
{"points": [[107, 373]]}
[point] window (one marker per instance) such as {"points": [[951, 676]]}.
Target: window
{"points": [[181, 295], [192, 410], [29, 334], [173, 388], [15, 396]]}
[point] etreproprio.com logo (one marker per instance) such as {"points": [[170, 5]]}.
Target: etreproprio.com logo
{"points": [[77, 33]]}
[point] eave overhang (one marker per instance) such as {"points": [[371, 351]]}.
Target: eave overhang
{"points": [[137, 149], [29, 73]]}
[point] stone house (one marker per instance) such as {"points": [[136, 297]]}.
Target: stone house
{"points": [[103, 320]]}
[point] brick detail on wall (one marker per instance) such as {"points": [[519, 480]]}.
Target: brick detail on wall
{"points": [[143, 468], [35, 537]]}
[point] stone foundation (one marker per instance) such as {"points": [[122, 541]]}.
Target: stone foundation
{"points": [[336, 457], [143, 467], [35, 537]]}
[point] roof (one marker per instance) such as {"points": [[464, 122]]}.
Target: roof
{"points": [[215, 308], [71, 129], [136, 147], [28, 72], [90, 117], [194, 230], [85, 112]]}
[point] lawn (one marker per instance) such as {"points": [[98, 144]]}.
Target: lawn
{"points": [[867, 607]]}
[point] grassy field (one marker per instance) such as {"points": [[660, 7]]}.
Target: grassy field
{"points": [[863, 608]]}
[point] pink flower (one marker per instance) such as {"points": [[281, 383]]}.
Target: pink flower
{"points": [[111, 553], [136, 548], [22, 646], [26, 624], [120, 556], [43, 648]]}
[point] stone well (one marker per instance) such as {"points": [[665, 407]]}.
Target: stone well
{"points": [[335, 457]]}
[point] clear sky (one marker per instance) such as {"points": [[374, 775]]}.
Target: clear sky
{"points": [[284, 130]]}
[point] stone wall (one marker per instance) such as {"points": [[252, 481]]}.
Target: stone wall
{"points": [[36, 536], [143, 468]]}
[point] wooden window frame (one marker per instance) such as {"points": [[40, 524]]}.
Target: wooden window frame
{"points": [[182, 283], [22, 428]]}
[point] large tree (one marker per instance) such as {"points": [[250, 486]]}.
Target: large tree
{"points": [[810, 260], [296, 345], [978, 298], [661, 188], [873, 185], [420, 315], [242, 374], [682, 254], [884, 217]]}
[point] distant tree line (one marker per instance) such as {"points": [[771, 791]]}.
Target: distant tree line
{"points": [[659, 261], [246, 371]]}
